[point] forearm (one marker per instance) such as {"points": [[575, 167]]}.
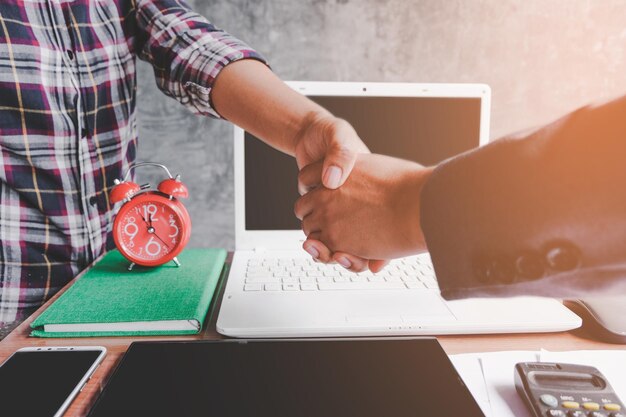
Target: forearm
{"points": [[248, 94]]}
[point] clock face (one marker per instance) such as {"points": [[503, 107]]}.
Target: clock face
{"points": [[151, 229]]}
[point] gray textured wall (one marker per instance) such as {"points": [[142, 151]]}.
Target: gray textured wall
{"points": [[542, 58]]}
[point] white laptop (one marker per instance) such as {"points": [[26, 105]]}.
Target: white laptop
{"points": [[275, 290]]}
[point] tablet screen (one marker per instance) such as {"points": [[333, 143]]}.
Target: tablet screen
{"points": [[359, 378]]}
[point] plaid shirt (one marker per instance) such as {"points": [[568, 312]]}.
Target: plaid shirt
{"points": [[68, 122]]}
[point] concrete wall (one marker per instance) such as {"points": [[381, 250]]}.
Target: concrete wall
{"points": [[542, 58]]}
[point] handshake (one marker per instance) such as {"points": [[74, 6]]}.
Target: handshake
{"points": [[357, 209]]}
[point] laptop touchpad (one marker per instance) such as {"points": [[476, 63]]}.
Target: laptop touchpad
{"points": [[414, 309]]}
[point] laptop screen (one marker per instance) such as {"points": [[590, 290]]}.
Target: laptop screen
{"points": [[426, 130]]}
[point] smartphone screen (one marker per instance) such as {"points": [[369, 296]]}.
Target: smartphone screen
{"points": [[37, 383]]}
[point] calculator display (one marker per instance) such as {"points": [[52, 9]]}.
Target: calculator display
{"points": [[566, 380]]}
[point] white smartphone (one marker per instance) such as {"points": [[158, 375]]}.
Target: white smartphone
{"points": [[43, 381]]}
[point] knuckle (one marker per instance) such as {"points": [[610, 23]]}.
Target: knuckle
{"points": [[297, 208], [301, 176], [332, 238]]}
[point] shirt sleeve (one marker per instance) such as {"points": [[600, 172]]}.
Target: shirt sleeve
{"points": [[186, 51], [535, 214]]}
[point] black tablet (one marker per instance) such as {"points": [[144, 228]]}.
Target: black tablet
{"points": [[290, 378]]}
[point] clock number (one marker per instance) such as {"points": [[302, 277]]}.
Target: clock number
{"points": [[153, 244], [173, 226], [131, 228], [149, 212]]}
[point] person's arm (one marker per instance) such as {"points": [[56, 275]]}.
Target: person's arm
{"points": [[212, 73], [543, 214], [248, 94]]}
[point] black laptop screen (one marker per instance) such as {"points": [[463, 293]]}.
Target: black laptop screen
{"points": [[423, 129]]}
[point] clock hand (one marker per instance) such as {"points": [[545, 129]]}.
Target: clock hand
{"points": [[157, 236], [145, 221]]}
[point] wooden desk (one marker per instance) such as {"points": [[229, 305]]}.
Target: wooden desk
{"points": [[116, 346]]}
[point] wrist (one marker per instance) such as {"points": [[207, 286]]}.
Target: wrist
{"points": [[313, 119], [413, 186]]}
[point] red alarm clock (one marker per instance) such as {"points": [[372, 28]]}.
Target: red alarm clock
{"points": [[152, 226]]}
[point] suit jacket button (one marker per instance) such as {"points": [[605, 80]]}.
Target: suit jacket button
{"points": [[529, 266], [493, 270], [563, 256], [481, 272]]}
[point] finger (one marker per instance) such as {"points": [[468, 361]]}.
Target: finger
{"points": [[305, 204], [351, 262], [310, 225], [377, 265], [340, 157], [310, 177], [317, 249], [337, 166]]}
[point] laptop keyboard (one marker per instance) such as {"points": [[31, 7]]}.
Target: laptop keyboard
{"points": [[302, 274]]}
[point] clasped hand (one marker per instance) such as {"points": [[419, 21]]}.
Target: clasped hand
{"points": [[371, 218]]}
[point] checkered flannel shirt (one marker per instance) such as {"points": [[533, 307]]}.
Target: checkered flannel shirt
{"points": [[68, 122]]}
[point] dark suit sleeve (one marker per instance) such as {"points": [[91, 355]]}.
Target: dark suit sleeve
{"points": [[542, 214]]}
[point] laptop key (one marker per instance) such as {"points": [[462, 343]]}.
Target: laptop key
{"points": [[261, 279], [273, 287], [308, 287], [291, 287], [253, 287]]}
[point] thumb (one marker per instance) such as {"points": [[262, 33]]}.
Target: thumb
{"points": [[338, 165]]}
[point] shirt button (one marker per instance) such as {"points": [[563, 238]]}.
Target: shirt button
{"points": [[70, 54], [562, 257], [482, 271], [93, 200]]}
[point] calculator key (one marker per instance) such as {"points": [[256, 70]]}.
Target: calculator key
{"points": [[612, 407], [617, 415], [570, 404], [596, 414], [556, 413], [591, 406], [549, 400], [576, 413]]}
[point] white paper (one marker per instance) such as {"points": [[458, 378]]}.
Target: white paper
{"points": [[469, 368], [490, 376], [498, 370]]}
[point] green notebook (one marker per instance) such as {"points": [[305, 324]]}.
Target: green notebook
{"points": [[109, 300]]}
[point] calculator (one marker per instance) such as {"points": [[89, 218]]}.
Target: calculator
{"points": [[566, 390]]}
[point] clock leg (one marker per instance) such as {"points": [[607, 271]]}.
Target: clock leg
{"points": [[176, 261], [130, 267]]}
